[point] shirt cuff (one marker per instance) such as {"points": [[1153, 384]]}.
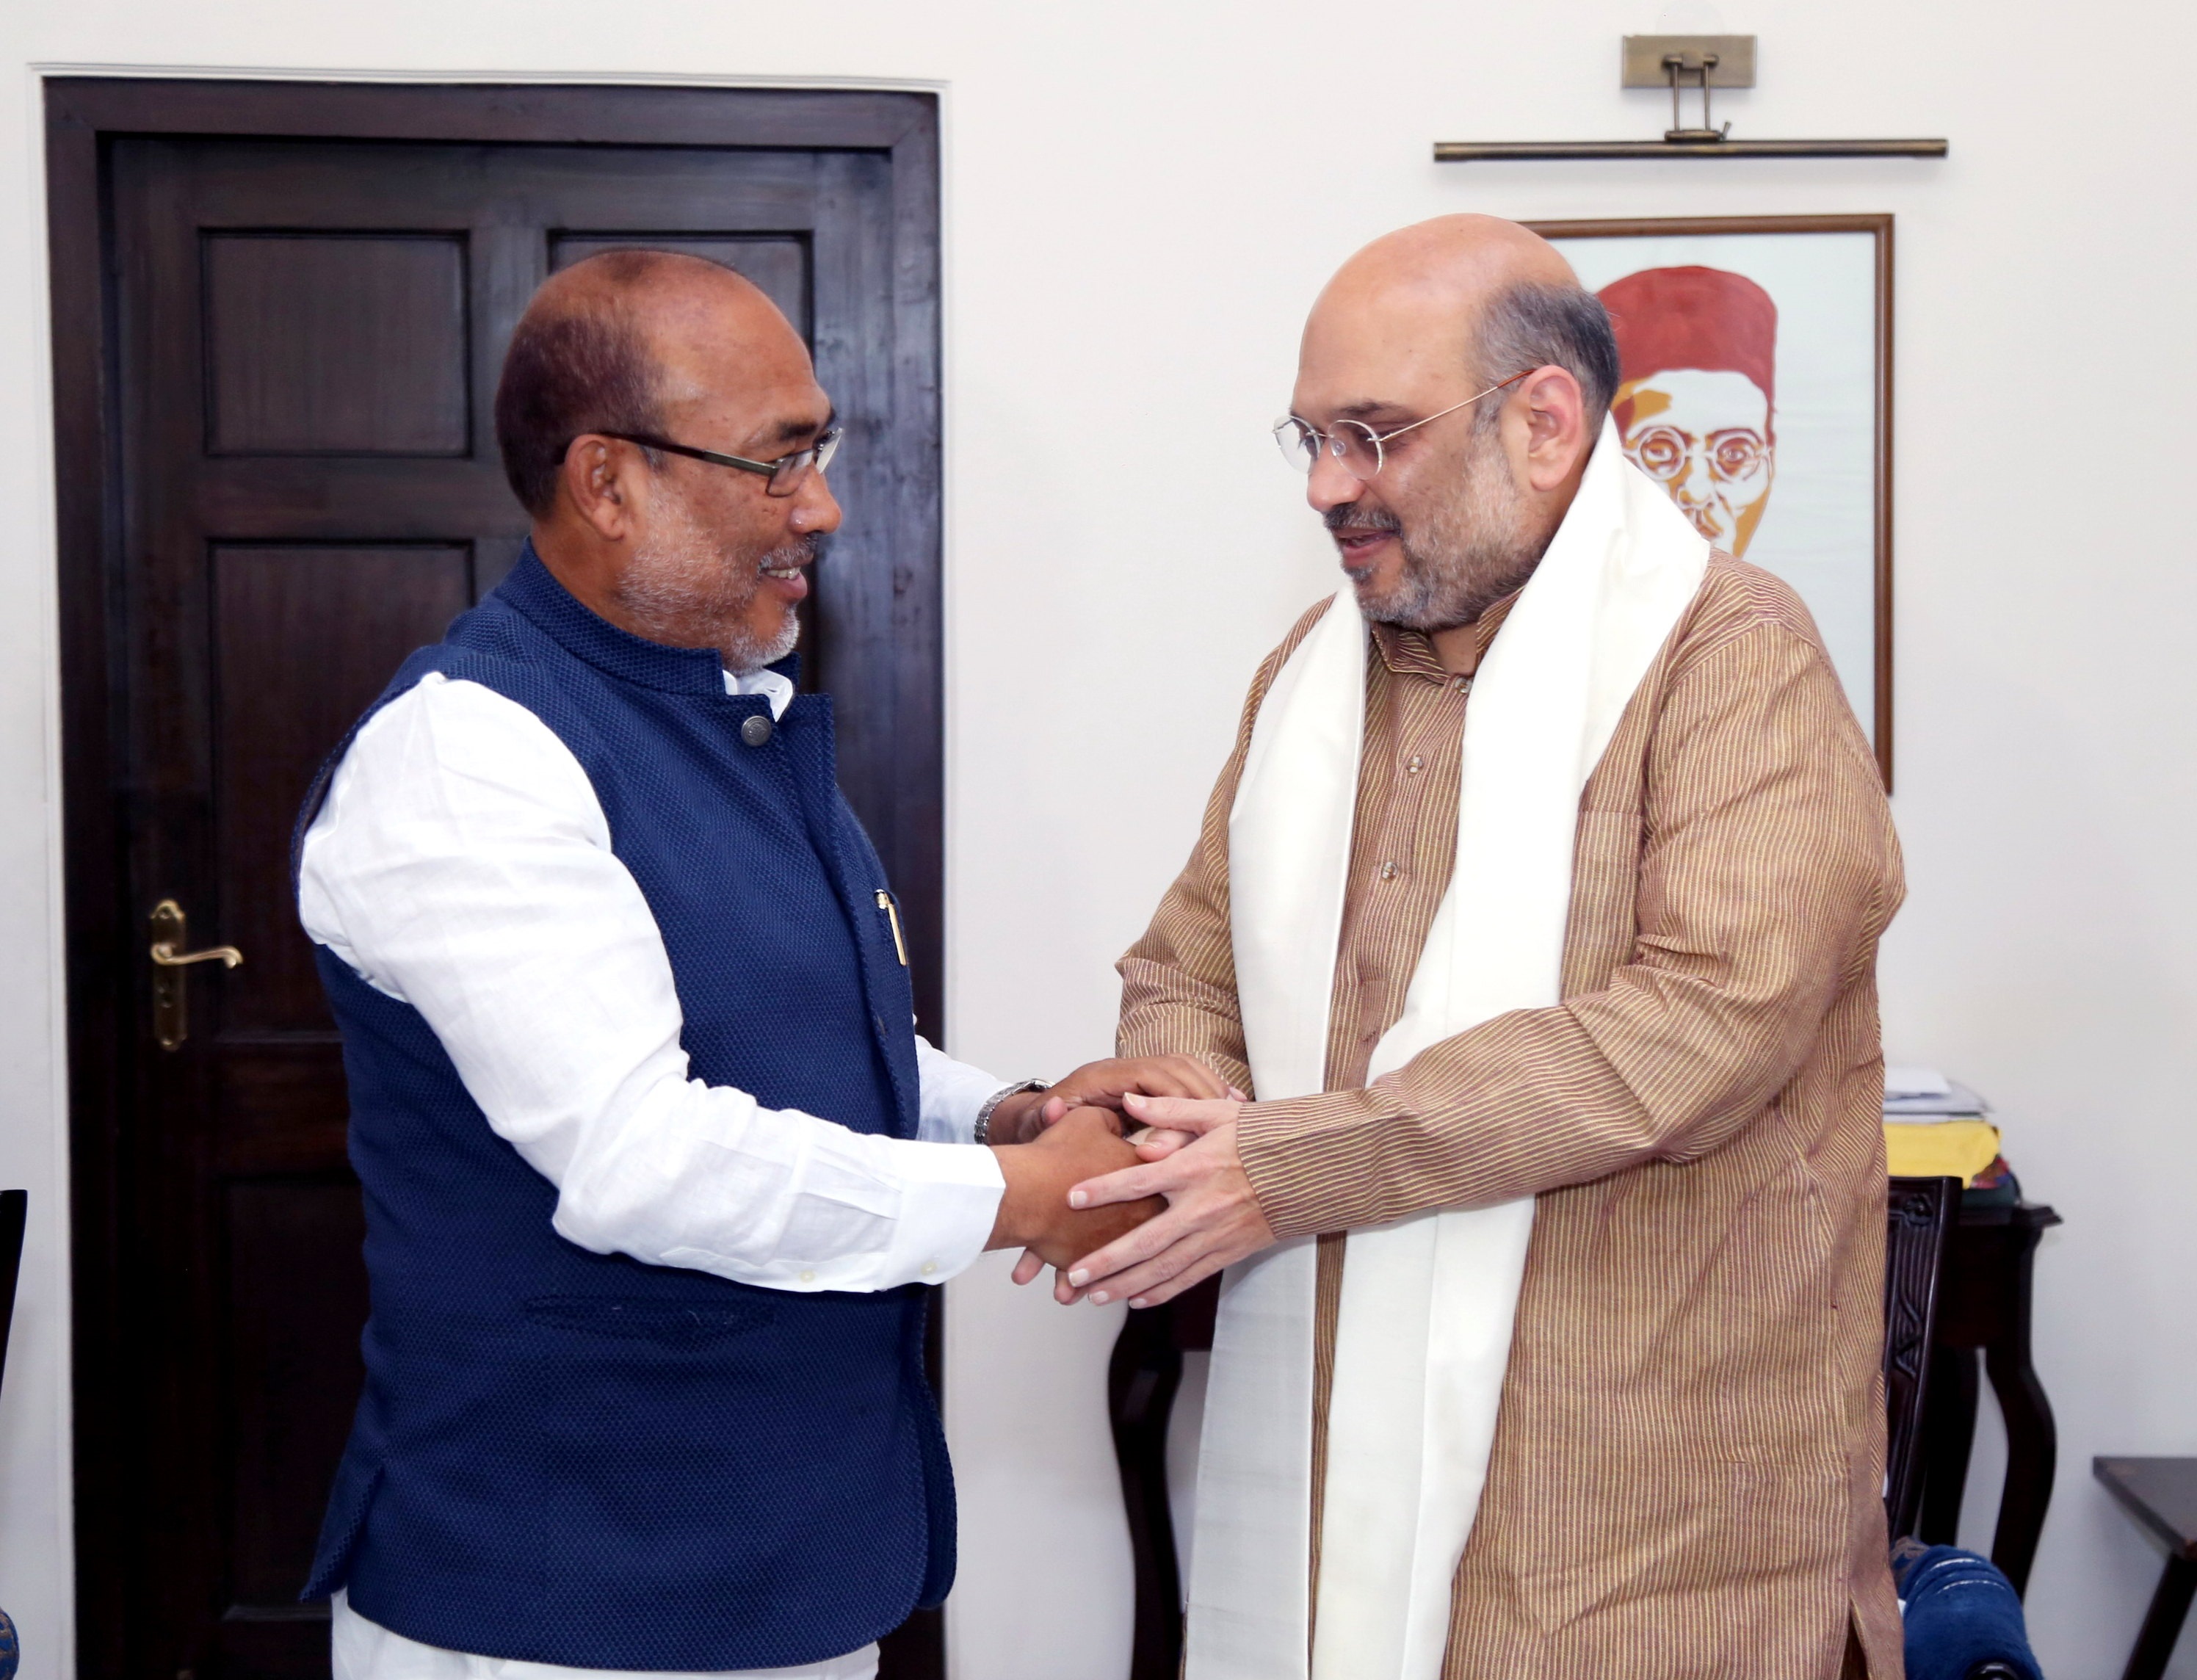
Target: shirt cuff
{"points": [[953, 1092], [950, 1203], [1294, 1152]]}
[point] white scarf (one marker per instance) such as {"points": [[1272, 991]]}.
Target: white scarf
{"points": [[1426, 1302]]}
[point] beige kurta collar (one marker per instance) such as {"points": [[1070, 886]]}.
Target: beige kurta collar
{"points": [[1411, 653]]}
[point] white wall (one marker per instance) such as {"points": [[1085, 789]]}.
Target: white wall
{"points": [[1141, 200]]}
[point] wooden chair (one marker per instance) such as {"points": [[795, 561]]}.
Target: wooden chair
{"points": [[14, 1210], [15, 1213], [1919, 1215], [2161, 1495], [1146, 1370]]}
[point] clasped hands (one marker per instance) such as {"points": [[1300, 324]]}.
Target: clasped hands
{"points": [[1139, 1218]]}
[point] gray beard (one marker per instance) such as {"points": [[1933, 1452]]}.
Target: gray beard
{"points": [[683, 589], [1461, 559]]}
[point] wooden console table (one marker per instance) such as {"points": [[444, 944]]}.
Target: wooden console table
{"points": [[1983, 1307]]}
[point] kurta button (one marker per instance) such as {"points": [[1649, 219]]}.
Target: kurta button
{"points": [[756, 730], [1416, 765], [808, 1277], [1389, 872], [930, 1266]]}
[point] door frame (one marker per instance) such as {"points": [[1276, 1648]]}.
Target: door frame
{"points": [[103, 928]]}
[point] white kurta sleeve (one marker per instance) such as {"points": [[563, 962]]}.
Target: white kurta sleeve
{"points": [[462, 864]]}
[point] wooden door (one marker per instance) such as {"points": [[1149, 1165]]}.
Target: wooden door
{"points": [[301, 343]]}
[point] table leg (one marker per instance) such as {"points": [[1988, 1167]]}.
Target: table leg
{"points": [[2162, 1623], [2031, 1451], [1949, 1431]]}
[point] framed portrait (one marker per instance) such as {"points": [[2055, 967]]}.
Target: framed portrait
{"points": [[1756, 369]]}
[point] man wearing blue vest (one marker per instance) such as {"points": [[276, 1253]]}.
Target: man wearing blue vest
{"points": [[656, 1168]]}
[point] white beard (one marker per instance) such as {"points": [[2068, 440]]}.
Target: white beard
{"points": [[685, 590]]}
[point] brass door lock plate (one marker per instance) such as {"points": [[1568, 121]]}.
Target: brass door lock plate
{"points": [[171, 931]]}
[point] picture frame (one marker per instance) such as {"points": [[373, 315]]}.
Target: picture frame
{"points": [[1786, 434]]}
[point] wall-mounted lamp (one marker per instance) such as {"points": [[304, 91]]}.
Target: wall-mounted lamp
{"points": [[1684, 63]]}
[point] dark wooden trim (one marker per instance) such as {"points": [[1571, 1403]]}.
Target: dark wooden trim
{"points": [[549, 114], [1656, 227], [95, 864], [1880, 225], [81, 114], [918, 1648], [918, 510]]}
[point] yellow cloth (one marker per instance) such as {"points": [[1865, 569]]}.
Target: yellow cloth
{"points": [[1944, 1148]]}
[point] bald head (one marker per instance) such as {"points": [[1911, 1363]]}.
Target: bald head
{"points": [[619, 342], [1452, 265], [1454, 375], [1474, 293], [644, 281]]}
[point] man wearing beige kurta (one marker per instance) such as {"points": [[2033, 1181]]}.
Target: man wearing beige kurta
{"points": [[1685, 1473]]}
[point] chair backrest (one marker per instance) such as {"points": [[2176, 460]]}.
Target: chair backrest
{"points": [[14, 1211], [1919, 1215]]}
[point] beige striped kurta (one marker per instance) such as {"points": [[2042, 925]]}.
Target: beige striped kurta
{"points": [[1688, 1459]]}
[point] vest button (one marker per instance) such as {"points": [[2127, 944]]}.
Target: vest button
{"points": [[756, 730]]}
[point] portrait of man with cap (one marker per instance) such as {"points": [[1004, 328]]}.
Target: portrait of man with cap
{"points": [[1697, 407]]}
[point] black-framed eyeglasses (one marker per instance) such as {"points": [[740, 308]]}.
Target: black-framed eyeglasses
{"points": [[786, 474]]}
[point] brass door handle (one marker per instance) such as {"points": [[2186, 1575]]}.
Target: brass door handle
{"points": [[226, 955], [171, 932]]}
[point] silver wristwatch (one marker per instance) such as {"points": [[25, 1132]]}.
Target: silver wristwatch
{"points": [[984, 1115]]}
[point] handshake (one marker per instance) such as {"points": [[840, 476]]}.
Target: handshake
{"points": [[1124, 1177]]}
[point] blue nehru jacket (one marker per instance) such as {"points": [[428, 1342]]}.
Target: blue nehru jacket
{"points": [[577, 1458]]}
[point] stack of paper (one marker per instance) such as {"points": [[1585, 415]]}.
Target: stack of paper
{"points": [[1935, 1126]]}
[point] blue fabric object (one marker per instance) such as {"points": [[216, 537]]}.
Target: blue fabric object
{"points": [[11, 1648], [1960, 1612], [577, 1458]]}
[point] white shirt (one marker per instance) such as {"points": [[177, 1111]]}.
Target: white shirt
{"points": [[462, 864], [363, 1650]]}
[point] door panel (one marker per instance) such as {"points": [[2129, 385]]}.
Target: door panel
{"points": [[301, 339], [778, 264], [304, 639], [379, 319]]}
